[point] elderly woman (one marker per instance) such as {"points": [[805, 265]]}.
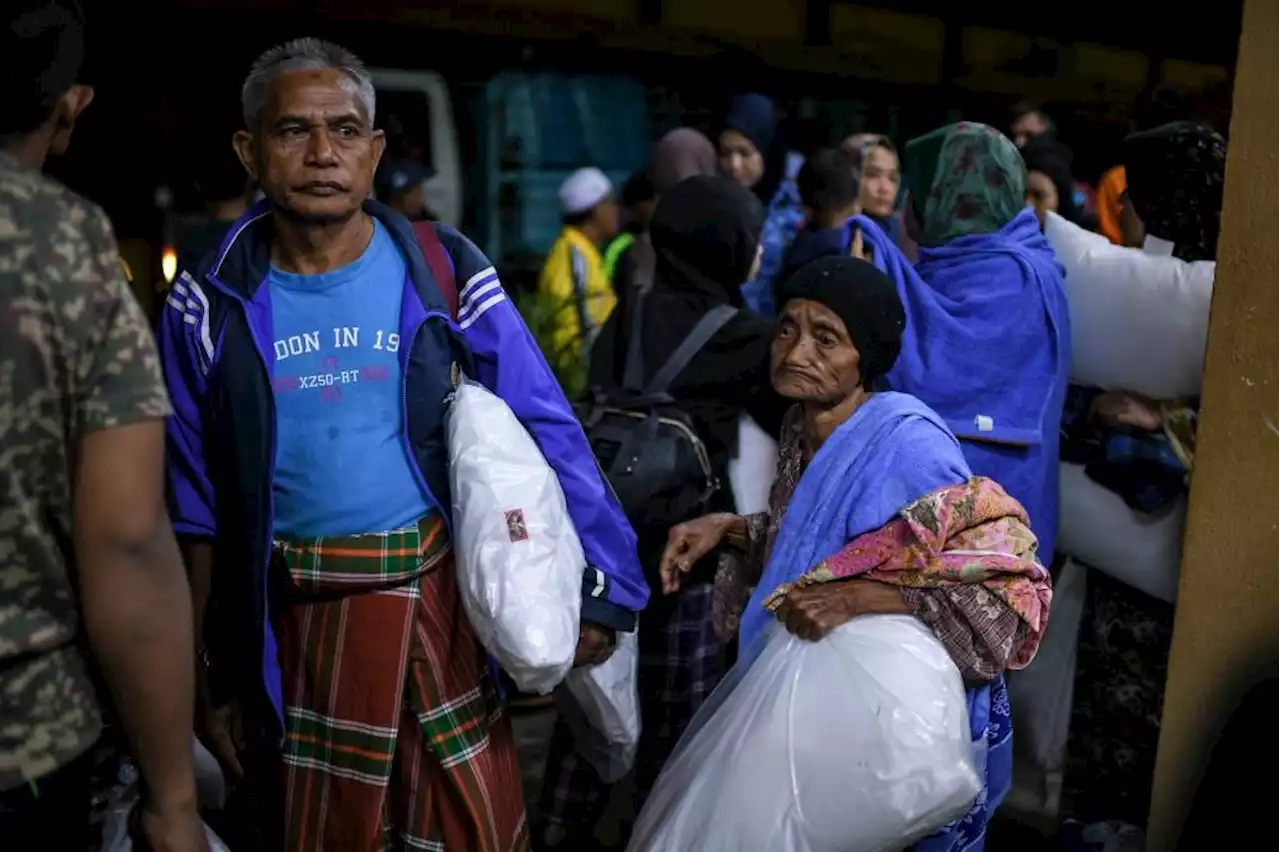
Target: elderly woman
{"points": [[873, 504], [987, 343]]}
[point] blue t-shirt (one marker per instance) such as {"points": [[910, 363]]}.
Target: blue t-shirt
{"points": [[342, 467]]}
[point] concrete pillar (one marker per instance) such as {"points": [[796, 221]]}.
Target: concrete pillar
{"points": [[1225, 633]]}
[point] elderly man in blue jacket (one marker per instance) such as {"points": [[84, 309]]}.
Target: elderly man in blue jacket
{"points": [[309, 359]]}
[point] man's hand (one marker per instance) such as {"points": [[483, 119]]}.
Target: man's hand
{"points": [[814, 611], [595, 645], [174, 828], [222, 733]]}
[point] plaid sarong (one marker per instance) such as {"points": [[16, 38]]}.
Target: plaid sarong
{"points": [[394, 735], [681, 663]]}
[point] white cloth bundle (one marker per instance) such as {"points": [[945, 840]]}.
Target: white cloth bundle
{"points": [[1139, 319], [602, 707], [857, 742], [519, 559]]}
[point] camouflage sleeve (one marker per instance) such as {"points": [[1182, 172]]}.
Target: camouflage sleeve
{"points": [[116, 369]]}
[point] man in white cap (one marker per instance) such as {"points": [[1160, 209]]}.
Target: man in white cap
{"points": [[574, 271]]}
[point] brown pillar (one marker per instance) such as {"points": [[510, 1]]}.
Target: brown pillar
{"points": [[1225, 634]]}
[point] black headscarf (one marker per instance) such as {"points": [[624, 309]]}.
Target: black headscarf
{"points": [[1050, 157], [864, 298], [1174, 174], [704, 233]]}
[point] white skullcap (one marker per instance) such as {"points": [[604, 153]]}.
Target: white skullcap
{"points": [[583, 190]]}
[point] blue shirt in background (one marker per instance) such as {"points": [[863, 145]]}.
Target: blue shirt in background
{"points": [[341, 464]]}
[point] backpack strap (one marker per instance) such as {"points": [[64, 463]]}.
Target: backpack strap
{"points": [[633, 368], [437, 258], [643, 261], [711, 322]]}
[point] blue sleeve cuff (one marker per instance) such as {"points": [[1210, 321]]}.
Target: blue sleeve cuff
{"points": [[598, 610]]}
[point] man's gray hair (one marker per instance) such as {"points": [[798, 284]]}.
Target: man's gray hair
{"points": [[303, 54]]}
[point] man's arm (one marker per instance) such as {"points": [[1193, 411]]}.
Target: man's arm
{"points": [[510, 364], [137, 606], [133, 591]]}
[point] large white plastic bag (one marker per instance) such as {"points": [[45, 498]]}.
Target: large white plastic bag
{"points": [[1098, 528], [1139, 321], [857, 743], [601, 705], [519, 560]]}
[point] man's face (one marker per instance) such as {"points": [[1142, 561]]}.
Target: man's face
{"points": [[1025, 126], [605, 215], [314, 151]]}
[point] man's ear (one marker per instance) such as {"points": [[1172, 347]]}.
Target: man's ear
{"points": [[66, 110], [379, 147], [242, 144]]}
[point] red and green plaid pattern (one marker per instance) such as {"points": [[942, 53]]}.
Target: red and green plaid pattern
{"points": [[380, 560], [394, 734]]}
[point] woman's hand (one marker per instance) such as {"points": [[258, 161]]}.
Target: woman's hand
{"points": [[814, 611], [689, 542]]}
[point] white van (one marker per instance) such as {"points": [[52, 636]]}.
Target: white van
{"points": [[417, 104]]}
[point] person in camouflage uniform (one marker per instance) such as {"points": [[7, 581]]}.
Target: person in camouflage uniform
{"points": [[87, 554]]}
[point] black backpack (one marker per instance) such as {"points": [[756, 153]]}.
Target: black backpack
{"points": [[648, 447]]}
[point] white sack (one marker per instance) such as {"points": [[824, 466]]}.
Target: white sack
{"points": [[1139, 321], [601, 705], [1098, 528], [857, 743], [519, 560], [752, 470], [1041, 693]]}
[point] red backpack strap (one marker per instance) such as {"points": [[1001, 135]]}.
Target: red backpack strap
{"points": [[438, 262]]}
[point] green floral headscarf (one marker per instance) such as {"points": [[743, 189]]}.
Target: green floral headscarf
{"points": [[964, 179]]}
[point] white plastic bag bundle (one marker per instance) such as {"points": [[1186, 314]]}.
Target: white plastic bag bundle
{"points": [[601, 706], [1139, 321], [1098, 528], [519, 560], [857, 743]]}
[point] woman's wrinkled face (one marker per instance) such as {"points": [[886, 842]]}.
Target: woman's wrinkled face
{"points": [[740, 159], [1041, 194], [813, 358], [880, 178]]}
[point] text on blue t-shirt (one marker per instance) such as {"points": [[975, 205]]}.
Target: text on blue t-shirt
{"points": [[342, 466]]}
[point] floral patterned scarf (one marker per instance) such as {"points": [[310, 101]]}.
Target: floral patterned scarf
{"points": [[964, 179], [973, 533]]}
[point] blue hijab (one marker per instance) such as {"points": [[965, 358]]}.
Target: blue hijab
{"points": [[988, 347]]}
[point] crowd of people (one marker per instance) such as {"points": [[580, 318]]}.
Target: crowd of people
{"points": [[234, 529]]}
